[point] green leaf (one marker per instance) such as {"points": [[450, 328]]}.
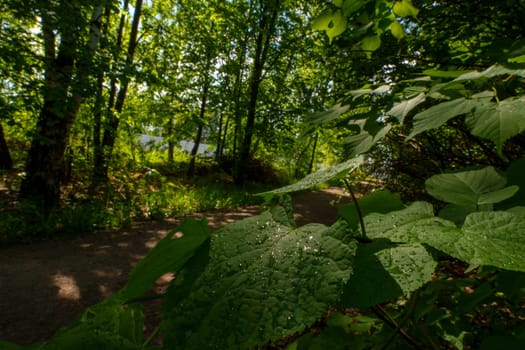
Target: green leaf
{"points": [[264, 281], [399, 270], [405, 8], [456, 213], [514, 175], [338, 3], [410, 265], [436, 73], [107, 325], [401, 109], [438, 115], [332, 22], [322, 22], [397, 30], [334, 172], [352, 6], [499, 121], [487, 238], [382, 201], [363, 142], [491, 72], [169, 255], [470, 188], [326, 116], [371, 43]]}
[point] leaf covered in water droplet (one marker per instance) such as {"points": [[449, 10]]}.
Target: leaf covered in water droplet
{"points": [[262, 282]]}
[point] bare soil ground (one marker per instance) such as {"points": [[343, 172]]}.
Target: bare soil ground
{"points": [[45, 285]]}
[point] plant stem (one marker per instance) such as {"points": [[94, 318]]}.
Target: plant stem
{"points": [[358, 210], [385, 316]]}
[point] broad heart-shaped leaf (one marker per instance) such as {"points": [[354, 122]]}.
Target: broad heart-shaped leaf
{"points": [[405, 8], [397, 30], [326, 116], [378, 202], [515, 176], [363, 142], [487, 238], [499, 121], [401, 109], [371, 43], [332, 22], [491, 72], [439, 114], [470, 188], [263, 281], [169, 255], [384, 271], [336, 171], [351, 6]]}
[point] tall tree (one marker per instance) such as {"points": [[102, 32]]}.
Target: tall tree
{"points": [[68, 50], [117, 99]]}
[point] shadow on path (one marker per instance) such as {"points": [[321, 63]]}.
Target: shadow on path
{"points": [[45, 285]]}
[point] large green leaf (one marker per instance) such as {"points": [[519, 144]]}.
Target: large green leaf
{"points": [[378, 202], [364, 141], [398, 270], [405, 8], [169, 255], [439, 114], [397, 30], [263, 281], [351, 6], [499, 121], [371, 43], [336, 171], [486, 238], [326, 116], [332, 22], [472, 188], [514, 175], [401, 109], [491, 72]]}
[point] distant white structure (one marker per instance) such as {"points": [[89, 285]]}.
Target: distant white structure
{"points": [[149, 141], [204, 149]]}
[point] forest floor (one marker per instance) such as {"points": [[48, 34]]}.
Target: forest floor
{"points": [[45, 285]]}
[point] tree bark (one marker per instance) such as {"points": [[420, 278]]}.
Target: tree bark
{"points": [[65, 80], [269, 12], [6, 162], [191, 167], [116, 100]]}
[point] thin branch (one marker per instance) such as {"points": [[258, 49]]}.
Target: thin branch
{"points": [[358, 210], [385, 316]]}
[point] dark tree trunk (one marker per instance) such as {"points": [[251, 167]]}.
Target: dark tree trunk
{"points": [[191, 167], [171, 144], [314, 149], [116, 100], [6, 162], [269, 12], [65, 83]]}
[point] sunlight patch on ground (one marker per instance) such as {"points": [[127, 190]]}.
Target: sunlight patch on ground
{"points": [[67, 287]]}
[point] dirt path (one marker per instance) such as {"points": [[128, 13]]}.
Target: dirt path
{"points": [[45, 285]]}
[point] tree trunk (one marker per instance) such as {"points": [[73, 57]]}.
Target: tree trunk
{"points": [[171, 144], [314, 149], [6, 162], [191, 167], [116, 100], [269, 14], [63, 92]]}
